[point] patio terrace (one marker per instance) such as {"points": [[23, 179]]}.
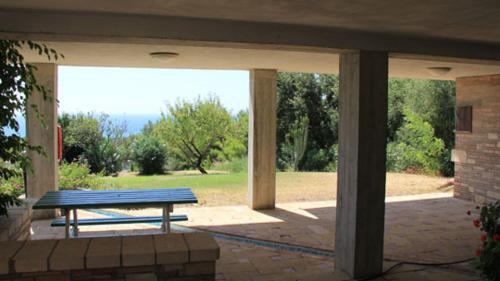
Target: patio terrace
{"points": [[295, 241]]}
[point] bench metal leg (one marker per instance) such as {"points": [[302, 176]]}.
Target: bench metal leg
{"points": [[75, 224], [66, 227], [165, 226]]}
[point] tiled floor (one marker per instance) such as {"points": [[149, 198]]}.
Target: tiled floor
{"points": [[423, 228]]}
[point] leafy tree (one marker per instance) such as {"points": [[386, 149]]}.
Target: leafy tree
{"points": [[399, 91], [193, 130], [17, 84], [314, 97], [235, 145], [416, 147], [97, 140], [80, 133], [434, 102], [149, 154]]}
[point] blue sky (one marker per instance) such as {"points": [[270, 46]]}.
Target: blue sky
{"points": [[145, 90]]}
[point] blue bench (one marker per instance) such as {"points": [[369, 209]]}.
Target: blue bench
{"points": [[121, 220]]}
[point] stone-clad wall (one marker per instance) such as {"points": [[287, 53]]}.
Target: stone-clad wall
{"points": [[17, 225], [175, 256], [477, 154]]}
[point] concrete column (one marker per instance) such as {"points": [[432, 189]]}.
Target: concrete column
{"points": [[359, 236], [44, 174], [262, 139]]}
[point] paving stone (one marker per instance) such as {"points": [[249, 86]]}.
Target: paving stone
{"points": [[9, 249], [138, 250], [69, 254], [202, 247], [199, 268], [33, 256], [171, 249], [104, 252]]}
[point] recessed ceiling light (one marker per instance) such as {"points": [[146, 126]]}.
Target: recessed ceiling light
{"points": [[439, 70], [163, 56]]}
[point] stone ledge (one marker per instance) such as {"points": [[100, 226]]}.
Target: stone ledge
{"points": [[174, 254]]}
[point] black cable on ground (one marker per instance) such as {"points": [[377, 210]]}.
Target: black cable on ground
{"points": [[400, 263]]}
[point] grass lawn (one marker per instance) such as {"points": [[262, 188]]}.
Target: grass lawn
{"points": [[231, 189]]}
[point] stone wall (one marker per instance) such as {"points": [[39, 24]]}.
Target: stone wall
{"points": [[175, 256], [17, 226], [477, 154]]}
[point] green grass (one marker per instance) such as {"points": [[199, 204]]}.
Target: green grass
{"points": [[193, 181]]}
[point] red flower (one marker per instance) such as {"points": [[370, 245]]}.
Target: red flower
{"points": [[496, 237], [483, 237], [478, 252], [468, 212], [476, 223]]}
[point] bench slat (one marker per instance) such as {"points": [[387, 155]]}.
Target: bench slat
{"points": [[123, 220]]}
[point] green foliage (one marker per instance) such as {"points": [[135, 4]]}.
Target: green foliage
{"points": [[415, 148], [234, 166], [149, 154], [96, 140], [80, 132], [488, 258], [17, 84], [10, 190], [295, 144], [192, 131], [235, 145], [314, 97], [75, 176]]}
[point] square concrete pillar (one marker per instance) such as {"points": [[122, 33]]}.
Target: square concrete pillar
{"points": [[262, 139], [42, 132], [359, 239]]}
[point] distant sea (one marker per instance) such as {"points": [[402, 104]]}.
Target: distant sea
{"points": [[135, 122]]}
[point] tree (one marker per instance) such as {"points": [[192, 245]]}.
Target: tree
{"points": [[80, 133], [98, 140], [434, 102], [192, 130], [315, 98], [17, 83], [416, 147], [235, 145]]}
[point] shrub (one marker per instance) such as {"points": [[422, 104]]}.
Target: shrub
{"points": [[149, 155], [75, 175], [10, 190], [233, 166], [416, 148], [488, 257]]}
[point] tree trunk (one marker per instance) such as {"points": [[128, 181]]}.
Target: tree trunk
{"points": [[203, 171], [199, 167]]}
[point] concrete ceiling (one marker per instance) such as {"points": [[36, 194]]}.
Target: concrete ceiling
{"points": [[212, 57], [288, 35], [452, 19]]}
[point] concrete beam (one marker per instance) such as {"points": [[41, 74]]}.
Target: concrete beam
{"points": [[262, 139], [359, 239], [44, 174], [129, 28]]}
